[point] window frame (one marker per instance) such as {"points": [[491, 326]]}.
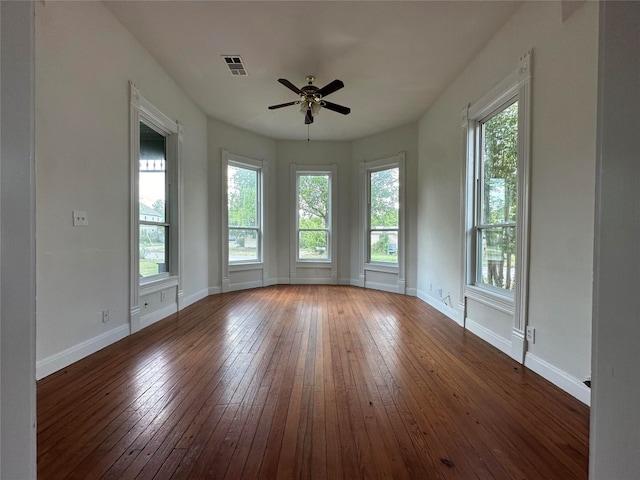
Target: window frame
{"points": [[516, 86], [259, 166], [398, 269], [315, 171], [370, 168], [142, 110], [313, 271]]}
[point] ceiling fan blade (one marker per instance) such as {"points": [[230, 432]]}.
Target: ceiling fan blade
{"points": [[330, 88], [336, 108], [308, 118], [290, 85], [288, 104]]}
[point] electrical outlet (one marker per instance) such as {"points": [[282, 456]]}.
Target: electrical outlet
{"points": [[163, 296], [105, 316], [440, 292], [80, 218], [531, 334]]}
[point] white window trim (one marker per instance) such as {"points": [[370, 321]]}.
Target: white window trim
{"points": [[516, 85], [142, 110], [331, 263], [398, 269], [262, 166]]}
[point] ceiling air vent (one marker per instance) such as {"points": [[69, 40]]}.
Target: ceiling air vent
{"points": [[235, 65]]}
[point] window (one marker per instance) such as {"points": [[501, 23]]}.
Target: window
{"points": [[155, 156], [497, 198], [154, 219], [313, 206], [383, 215], [244, 213], [496, 247]]}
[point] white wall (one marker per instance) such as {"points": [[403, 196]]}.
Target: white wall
{"points": [[384, 145], [84, 61], [562, 181], [17, 258], [222, 136], [615, 422]]}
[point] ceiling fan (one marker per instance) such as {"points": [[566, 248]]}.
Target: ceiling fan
{"points": [[312, 98]]}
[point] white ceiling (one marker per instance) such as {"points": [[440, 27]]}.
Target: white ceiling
{"points": [[394, 57]]}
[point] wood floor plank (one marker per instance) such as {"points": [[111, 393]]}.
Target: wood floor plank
{"points": [[321, 382]]}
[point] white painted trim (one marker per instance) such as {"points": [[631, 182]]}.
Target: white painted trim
{"points": [[385, 287], [63, 359], [332, 263], [314, 281], [261, 167], [559, 378], [488, 336], [365, 167], [411, 292], [215, 290], [234, 287], [158, 315], [442, 307], [501, 303], [158, 285], [518, 345], [193, 298]]}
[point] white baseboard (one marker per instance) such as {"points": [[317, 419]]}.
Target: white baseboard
{"points": [[385, 287], [158, 315], [191, 299], [65, 358], [234, 287], [215, 290], [412, 292], [489, 336], [559, 378], [312, 281], [442, 307]]}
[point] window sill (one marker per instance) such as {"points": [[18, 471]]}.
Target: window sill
{"points": [[503, 303], [381, 267], [240, 267], [157, 284]]}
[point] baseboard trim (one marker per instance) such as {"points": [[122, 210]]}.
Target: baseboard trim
{"points": [[559, 378], [71, 355], [234, 287], [215, 290], [196, 297], [442, 307], [385, 287], [158, 315], [489, 336]]}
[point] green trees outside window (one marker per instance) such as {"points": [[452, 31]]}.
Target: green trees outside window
{"points": [[243, 213], [313, 207], [496, 229], [384, 205]]}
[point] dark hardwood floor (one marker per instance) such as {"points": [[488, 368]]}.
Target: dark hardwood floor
{"points": [[307, 382]]}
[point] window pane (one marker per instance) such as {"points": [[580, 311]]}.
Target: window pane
{"points": [[152, 186], [499, 166], [497, 256], [153, 250], [313, 245], [313, 201], [385, 198], [243, 244], [384, 246], [242, 194]]}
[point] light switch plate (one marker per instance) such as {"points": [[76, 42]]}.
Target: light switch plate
{"points": [[80, 219]]}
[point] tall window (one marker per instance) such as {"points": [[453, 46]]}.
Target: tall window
{"points": [[497, 198], [313, 206], [154, 218], [383, 215], [244, 213], [496, 247]]}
